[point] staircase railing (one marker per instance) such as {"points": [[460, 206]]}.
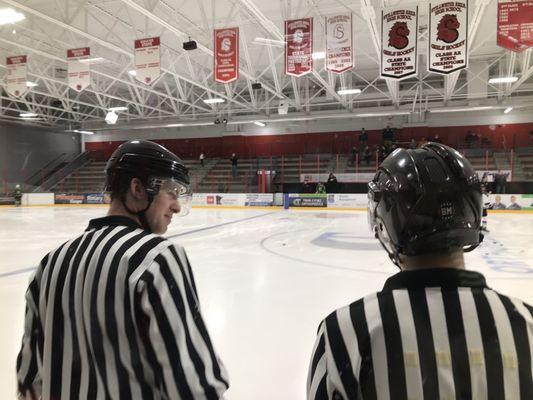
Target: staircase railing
{"points": [[54, 179]]}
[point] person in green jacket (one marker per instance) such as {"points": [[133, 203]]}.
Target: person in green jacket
{"points": [[320, 188]]}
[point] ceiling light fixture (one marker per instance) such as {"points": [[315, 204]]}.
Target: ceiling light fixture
{"points": [[344, 92], [273, 42], [28, 115], [174, 125], [132, 72], [84, 132], [383, 113], [504, 79], [214, 100], [10, 16], [460, 109], [93, 60], [111, 118], [31, 84], [259, 123], [508, 110], [122, 108], [319, 55]]}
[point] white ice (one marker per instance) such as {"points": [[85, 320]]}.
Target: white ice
{"points": [[265, 279]]}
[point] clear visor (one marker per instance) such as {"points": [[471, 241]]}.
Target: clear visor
{"points": [[178, 192]]}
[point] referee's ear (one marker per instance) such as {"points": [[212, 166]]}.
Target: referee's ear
{"points": [[137, 189]]}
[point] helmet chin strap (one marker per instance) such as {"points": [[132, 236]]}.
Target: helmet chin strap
{"points": [[140, 214], [393, 255]]}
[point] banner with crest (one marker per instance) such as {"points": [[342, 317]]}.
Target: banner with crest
{"points": [[299, 46], [79, 74], [16, 76], [147, 60], [448, 36], [226, 55], [339, 46], [399, 37]]}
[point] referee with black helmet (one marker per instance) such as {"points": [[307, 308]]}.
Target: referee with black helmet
{"points": [[114, 312], [435, 330]]}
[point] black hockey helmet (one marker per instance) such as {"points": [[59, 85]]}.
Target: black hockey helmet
{"points": [[425, 200], [149, 162]]}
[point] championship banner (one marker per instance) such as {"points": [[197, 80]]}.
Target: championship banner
{"points": [[79, 76], [339, 44], [16, 76], [147, 60], [226, 57], [448, 36], [399, 37], [515, 25], [298, 46]]}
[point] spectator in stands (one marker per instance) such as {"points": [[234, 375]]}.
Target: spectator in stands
{"points": [[412, 144], [353, 155], [202, 159], [485, 183], [320, 188], [475, 140], [376, 151], [332, 184], [436, 138], [388, 136], [469, 139], [485, 142], [363, 138], [500, 181], [367, 155], [514, 205], [234, 170], [422, 142], [306, 187], [498, 205]]}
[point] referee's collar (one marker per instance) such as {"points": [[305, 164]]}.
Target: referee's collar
{"points": [[435, 277], [112, 220]]}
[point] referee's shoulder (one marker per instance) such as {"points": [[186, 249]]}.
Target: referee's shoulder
{"points": [[354, 311], [516, 306], [156, 250]]}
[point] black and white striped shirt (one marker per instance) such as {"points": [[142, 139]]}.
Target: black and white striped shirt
{"points": [[114, 314], [429, 334]]}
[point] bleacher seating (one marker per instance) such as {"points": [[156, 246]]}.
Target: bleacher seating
{"points": [[216, 176]]}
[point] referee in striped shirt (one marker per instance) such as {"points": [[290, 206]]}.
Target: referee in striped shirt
{"points": [[435, 330], [114, 312]]}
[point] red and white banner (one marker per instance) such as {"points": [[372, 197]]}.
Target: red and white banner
{"points": [[79, 75], [339, 43], [17, 75], [448, 36], [226, 57], [399, 37], [298, 46], [515, 25], [147, 60]]}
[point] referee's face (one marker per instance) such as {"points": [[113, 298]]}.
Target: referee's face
{"points": [[161, 211]]}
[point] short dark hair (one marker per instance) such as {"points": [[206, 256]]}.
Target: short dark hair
{"points": [[121, 184]]}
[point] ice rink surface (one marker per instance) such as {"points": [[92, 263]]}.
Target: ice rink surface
{"points": [[265, 279]]}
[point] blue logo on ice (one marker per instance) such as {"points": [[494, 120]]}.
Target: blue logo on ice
{"points": [[501, 259], [346, 241]]}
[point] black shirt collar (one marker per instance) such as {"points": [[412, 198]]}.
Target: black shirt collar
{"points": [[448, 278], [112, 220]]}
